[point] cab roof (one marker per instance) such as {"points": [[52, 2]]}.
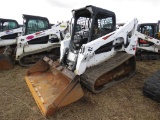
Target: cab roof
{"points": [[93, 10]]}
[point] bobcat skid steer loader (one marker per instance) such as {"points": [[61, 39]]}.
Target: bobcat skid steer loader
{"points": [[96, 56], [38, 39], [9, 42], [151, 87], [147, 50], [33, 47], [9, 31]]}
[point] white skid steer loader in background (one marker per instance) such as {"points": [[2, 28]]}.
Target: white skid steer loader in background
{"points": [[9, 39], [95, 56], [148, 50], [9, 31], [38, 40], [33, 47], [151, 86]]}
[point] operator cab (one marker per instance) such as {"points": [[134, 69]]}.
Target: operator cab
{"points": [[91, 23], [8, 24], [33, 24]]}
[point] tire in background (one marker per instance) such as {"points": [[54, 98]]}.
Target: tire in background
{"points": [[152, 86]]}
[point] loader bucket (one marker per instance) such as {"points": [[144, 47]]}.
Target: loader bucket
{"points": [[52, 86], [6, 61]]}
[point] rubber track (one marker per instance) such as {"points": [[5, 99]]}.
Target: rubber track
{"points": [[147, 56], [90, 76], [34, 52], [152, 86]]}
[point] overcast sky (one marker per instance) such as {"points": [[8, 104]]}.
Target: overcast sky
{"points": [[58, 10]]}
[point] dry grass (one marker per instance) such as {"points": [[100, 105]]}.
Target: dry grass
{"points": [[124, 101]]}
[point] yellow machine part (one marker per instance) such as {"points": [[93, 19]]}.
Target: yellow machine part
{"points": [[52, 86], [158, 35]]}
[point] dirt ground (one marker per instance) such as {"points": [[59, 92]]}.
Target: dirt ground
{"points": [[124, 101]]}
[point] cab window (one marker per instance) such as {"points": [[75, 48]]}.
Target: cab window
{"points": [[103, 25], [36, 25], [147, 30], [8, 25]]}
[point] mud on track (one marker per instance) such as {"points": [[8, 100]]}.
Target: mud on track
{"points": [[124, 101]]}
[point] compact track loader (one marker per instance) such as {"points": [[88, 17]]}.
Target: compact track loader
{"points": [[33, 47], [91, 57], [96, 56], [11, 30], [146, 50], [38, 40]]}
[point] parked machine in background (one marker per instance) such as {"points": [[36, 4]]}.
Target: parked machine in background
{"points": [[38, 40], [9, 31], [8, 40], [33, 47], [148, 50], [151, 86]]}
